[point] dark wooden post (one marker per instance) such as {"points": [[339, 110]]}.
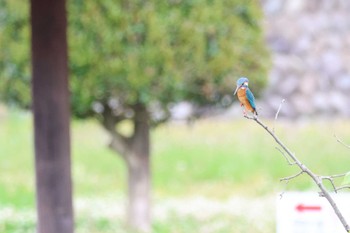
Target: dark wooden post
{"points": [[51, 116]]}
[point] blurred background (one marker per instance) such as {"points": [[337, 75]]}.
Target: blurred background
{"points": [[212, 170], [309, 42]]}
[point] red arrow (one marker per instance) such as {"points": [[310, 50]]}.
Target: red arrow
{"points": [[302, 208]]}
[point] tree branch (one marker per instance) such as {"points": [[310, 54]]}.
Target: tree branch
{"points": [[277, 113], [343, 187], [119, 143], [291, 177], [331, 181], [341, 142], [305, 169], [288, 161]]}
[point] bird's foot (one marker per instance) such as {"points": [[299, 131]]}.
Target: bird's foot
{"points": [[249, 116]]}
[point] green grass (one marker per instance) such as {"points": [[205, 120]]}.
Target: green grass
{"points": [[214, 159], [16, 166], [239, 156]]}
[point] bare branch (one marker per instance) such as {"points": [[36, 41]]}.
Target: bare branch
{"points": [[343, 187], [277, 113], [288, 161], [282, 193], [341, 142], [287, 179], [331, 181], [332, 177], [338, 175], [250, 118], [304, 169], [337, 189]]}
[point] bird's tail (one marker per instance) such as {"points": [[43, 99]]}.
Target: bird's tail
{"points": [[255, 112]]}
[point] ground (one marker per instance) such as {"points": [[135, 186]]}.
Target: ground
{"points": [[212, 176]]}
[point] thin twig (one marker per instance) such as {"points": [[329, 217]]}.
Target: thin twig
{"points": [[338, 175], [343, 187], [341, 142], [291, 177], [277, 113], [331, 179], [288, 161], [285, 188], [305, 169], [332, 182]]}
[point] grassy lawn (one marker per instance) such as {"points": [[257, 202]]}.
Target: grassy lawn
{"points": [[210, 160]]}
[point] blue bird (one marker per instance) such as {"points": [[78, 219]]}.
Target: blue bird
{"points": [[245, 96]]}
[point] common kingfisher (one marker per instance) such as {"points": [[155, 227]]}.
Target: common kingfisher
{"points": [[245, 96]]}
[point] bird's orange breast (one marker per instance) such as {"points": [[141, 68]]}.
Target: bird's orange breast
{"points": [[242, 97]]}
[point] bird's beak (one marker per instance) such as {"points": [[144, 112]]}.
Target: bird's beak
{"points": [[236, 90]]}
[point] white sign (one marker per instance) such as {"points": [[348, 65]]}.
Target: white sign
{"points": [[307, 212]]}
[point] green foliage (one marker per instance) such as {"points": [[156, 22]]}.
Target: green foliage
{"points": [[14, 53], [150, 52]]}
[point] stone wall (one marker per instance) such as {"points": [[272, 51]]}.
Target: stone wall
{"points": [[310, 43]]}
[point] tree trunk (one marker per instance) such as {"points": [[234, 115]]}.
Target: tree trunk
{"points": [[135, 151], [138, 163], [51, 117], [139, 190]]}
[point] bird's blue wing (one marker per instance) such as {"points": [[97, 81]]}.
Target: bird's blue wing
{"points": [[251, 98]]}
